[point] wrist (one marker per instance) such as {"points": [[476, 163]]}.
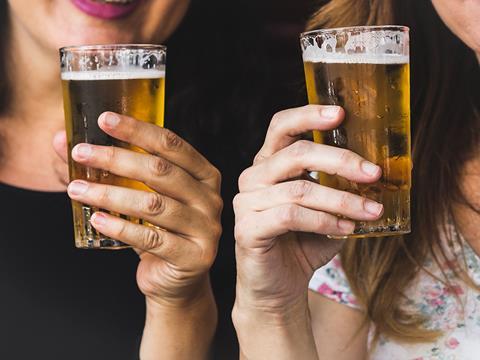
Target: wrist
{"points": [[190, 297], [270, 313], [273, 327], [266, 334], [172, 327], [279, 308]]}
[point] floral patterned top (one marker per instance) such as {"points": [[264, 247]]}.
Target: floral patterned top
{"points": [[458, 317]]}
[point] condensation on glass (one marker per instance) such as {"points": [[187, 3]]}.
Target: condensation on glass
{"points": [[126, 79], [366, 71]]}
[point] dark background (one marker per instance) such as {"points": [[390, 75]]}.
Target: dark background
{"points": [[231, 66]]}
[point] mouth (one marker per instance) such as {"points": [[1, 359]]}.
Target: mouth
{"points": [[114, 1], [107, 9]]}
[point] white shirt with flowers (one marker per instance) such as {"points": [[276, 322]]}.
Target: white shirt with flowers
{"points": [[453, 310]]}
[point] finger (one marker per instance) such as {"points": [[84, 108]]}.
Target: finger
{"points": [[286, 126], [170, 247], [162, 142], [157, 209], [277, 221], [60, 145], [157, 173], [304, 156], [310, 195]]}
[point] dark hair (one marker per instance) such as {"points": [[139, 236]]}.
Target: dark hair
{"points": [[445, 122]]}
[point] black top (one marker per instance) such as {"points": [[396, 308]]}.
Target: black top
{"points": [[59, 302]]}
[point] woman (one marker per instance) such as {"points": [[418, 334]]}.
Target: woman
{"points": [[63, 303], [414, 297]]}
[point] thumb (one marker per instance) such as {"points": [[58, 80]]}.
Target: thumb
{"points": [[319, 250], [60, 145]]}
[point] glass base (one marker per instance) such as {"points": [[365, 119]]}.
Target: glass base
{"points": [[105, 244], [86, 236], [377, 231]]}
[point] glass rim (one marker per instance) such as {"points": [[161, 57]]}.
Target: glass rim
{"points": [[101, 47], [364, 28]]}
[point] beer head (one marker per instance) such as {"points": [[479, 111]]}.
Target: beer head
{"points": [[112, 74], [361, 45]]}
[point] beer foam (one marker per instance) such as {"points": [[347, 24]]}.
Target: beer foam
{"points": [[113, 75], [353, 46], [385, 59]]}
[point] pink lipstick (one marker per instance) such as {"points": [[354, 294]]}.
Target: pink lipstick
{"points": [[107, 9]]}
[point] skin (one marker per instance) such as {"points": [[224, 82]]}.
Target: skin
{"points": [[280, 226], [461, 17], [281, 222], [174, 262]]}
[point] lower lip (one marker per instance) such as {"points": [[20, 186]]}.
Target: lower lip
{"points": [[105, 11]]}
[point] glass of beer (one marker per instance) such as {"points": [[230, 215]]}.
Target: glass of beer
{"points": [[126, 79], [366, 71]]}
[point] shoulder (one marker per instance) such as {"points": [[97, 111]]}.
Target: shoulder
{"points": [[330, 281]]}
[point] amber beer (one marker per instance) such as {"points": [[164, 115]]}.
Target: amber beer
{"points": [[131, 90], [374, 90]]}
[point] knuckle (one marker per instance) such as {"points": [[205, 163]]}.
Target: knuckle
{"points": [[152, 239], [345, 157], [344, 201], [160, 167], [312, 110], [299, 189], [237, 202], [171, 140], [217, 202], [155, 204], [244, 179], [277, 121], [240, 229], [216, 230], [216, 174], [105, 194], [299, 148], [322, 221], [110, 155], [208, 257], [129, 126], [287, 215], [122, 231], [258, 158]]}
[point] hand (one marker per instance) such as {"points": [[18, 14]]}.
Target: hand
{"points": [[186, 204], [281, 219]]}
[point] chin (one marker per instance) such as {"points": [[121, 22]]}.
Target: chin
{"points": [[58, 23], [88, 37], [81, 29]]}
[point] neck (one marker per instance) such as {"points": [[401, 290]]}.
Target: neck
{"points": [[34, 116]]}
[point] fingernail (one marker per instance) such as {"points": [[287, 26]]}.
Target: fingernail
{"points": [[369, 168], [98, 219], [82, 151], [346, 226], [330, 112], [77, 187], [372, 207], [111, 119]]}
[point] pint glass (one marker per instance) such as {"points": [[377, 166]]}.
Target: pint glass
{"points": [[366, 71], [126, 79]]}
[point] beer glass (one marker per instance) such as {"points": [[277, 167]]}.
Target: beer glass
{"points": [[126, 79], [366, 71]]}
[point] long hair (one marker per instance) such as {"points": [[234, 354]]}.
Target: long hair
{"points": [[445, 128]]}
